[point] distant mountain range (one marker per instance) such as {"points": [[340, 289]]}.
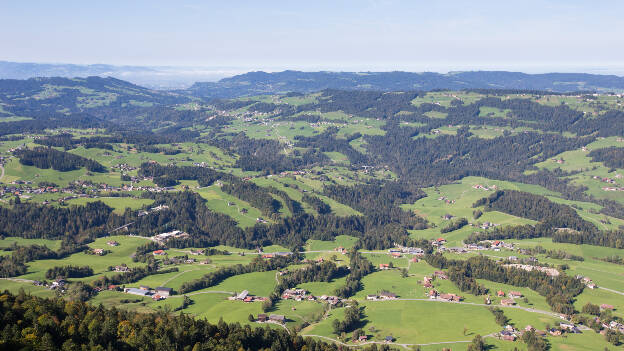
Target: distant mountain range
{"points": [[156, 77], [256, 83]]}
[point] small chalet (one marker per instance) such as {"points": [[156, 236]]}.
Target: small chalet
{"points": [[384, 266], [262, 317], [604, 306], [160, 253], [500, 293], [112, 243], [362, 338]]}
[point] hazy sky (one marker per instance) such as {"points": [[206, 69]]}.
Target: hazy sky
{"points": [[345, 35]]}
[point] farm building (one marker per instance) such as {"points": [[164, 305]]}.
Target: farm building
{"points": [[164, 292], [135, 291]]}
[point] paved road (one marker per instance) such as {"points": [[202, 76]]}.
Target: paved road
{"points": [[611, 290]]}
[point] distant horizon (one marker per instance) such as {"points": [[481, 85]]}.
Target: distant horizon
{"points": [[224, 71]]}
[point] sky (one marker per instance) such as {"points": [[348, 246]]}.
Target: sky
{"points": [[348, 35]]}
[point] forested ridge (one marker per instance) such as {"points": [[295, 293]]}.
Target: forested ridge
{"points": [[53, 324]]}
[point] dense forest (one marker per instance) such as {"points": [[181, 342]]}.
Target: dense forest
{"points": [[612, 157], [34, 323], [559, 291], [536, 207], [57, 160]]}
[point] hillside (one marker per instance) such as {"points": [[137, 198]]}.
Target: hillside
{"points": [[335, 214], [257, 83]]}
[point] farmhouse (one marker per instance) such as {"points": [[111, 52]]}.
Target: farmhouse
{"points": [[242, 295], [371, 297], [554, 332], [160, 253], [112, 243], [384, 266], [262, 317], [122, 268], [604, 306], [164, 292], [515, 294], [162, 238], [386, 295], [450, 297]]}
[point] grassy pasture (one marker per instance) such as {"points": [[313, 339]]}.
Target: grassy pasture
{"points": [[119, 254], [416, 321], [218, 201], [8, 241], [345, 241], [118, 203]]}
